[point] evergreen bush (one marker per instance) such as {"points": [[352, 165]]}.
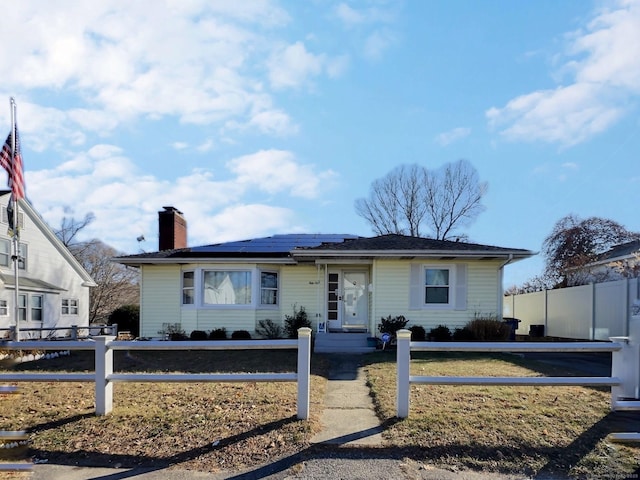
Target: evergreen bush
{"points": [[198, 335], [128, 319], [418, 333], [298, 320], [240, 335], [440, 334], [268, 329], [218, 334]]}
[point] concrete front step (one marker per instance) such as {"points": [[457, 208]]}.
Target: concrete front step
{"points": [[343, 343]]}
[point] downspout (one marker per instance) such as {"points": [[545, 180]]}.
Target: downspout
{"points": [[319, 302], [500, 286]]}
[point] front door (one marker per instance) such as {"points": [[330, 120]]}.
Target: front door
{"points": [[347, 299]]}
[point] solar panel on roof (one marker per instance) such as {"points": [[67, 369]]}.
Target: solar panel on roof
{"points": [[273, 244]]}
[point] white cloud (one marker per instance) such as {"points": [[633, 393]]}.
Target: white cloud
{"points": [[375, 24], [194, 60], [275, 122], [292, 66], [218, 207], [179, 145], [352, 17], [605, 66], [349, 16], [378, 42], [447, 138], [240, 222], [275, 171]]}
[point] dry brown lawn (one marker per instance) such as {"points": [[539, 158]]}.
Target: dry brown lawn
{"points": [[201, 426], [556, 431], [552, 432]]}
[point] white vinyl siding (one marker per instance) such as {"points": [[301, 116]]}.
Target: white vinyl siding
{"points": [[160, 294], [47, 261], [392, 293], [298, 287]]}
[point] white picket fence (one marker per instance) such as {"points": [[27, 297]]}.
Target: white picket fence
{"points": [[104, 377], [624, 380]]}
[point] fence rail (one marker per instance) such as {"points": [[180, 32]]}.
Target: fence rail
{"points": [[104, 377], [624, 380], [73, 332]]}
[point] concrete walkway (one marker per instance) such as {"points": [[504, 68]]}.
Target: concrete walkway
{"points": [[348, 418]]}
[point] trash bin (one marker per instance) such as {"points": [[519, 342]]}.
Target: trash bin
{"points": [[536, 331], [513, 323]]}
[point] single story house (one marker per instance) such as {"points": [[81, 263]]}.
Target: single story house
{"points": [[346, 283], [53, 287], [619, 262]]}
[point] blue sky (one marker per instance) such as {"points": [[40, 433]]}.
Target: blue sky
{"points": [[263, 117]]}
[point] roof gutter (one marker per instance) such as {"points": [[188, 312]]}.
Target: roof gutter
{"points": [[511, 256], [134, 262]]}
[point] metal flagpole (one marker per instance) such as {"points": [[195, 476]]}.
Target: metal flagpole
{"points": [[16, 241]]}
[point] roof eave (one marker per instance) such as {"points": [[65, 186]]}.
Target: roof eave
{"points": [[476, 254], [134, 262]]}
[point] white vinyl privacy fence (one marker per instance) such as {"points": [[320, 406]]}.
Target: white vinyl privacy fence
{"points": [[104, 376], [589, 312]]}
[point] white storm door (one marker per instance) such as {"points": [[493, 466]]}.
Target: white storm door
{"points": [[355, 300]]}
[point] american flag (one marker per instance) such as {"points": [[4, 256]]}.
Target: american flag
{"points": [[13, 166]]}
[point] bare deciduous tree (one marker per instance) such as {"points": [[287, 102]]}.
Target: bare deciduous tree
{"points": [[70, 227], [117, 285], [412, 200]]}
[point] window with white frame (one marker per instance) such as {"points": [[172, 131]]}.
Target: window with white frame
{"points": [[4, 308], [437, 286], [5, 252], [5, 217], [268, 288], [69, 306], [22, 256], [37, 302], [227, 287], [188, 288], [31, 307], [22, 307]]}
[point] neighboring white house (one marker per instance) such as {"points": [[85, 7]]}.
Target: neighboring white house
{"points": [[53, 286], [344, 282], [618, 263]]}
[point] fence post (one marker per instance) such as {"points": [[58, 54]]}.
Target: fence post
{"points": [[74, 332], [403, 361], [625, 364], [304, 371], [104, 368]]}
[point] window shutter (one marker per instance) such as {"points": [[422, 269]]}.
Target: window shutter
{"points": [[416, 287], [461, 287]]}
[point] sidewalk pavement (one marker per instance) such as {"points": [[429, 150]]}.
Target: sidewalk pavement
{"points": [[350, 446]]}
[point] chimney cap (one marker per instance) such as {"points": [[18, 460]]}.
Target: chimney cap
{"points": [[172, 209]]}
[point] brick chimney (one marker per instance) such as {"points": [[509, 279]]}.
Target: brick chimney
{"points": [[172, 229]]}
